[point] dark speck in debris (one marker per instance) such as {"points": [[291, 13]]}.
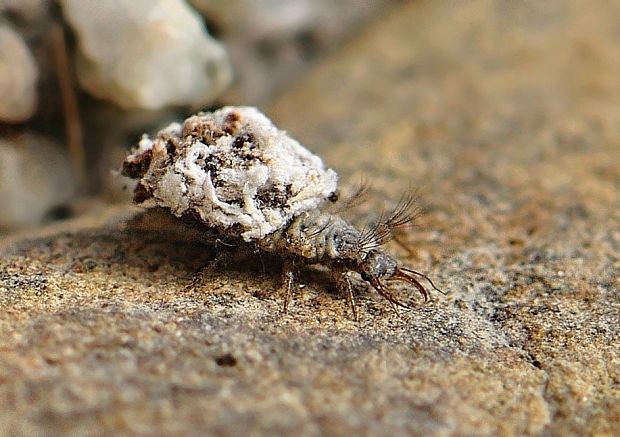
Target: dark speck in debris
{"points": [[226, 360]]}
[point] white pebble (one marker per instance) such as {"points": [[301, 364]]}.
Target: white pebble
{"points": [[18, 77], [146, 53]]}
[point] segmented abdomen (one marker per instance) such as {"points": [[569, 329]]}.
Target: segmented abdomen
{"points": [[315, 236]]}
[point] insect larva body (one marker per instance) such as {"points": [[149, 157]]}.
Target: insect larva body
{"points": [[245, 180], [319, 237]]}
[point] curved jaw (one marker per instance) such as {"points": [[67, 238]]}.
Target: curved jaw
{"points": [[376, 284], [404, 275]]}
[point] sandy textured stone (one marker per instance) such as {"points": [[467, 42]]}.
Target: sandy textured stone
{"points": [[507, 117]]}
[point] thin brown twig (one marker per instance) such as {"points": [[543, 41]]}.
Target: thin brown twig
{"points": [[73, 124]]}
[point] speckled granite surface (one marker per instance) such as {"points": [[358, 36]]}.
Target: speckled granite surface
{"points": [[507, 117]]}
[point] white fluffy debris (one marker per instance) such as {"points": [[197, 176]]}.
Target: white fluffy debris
{"points": [[232, 169]]}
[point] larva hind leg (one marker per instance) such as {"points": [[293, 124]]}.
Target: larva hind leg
{"points": [[288, 281], [222, 260]]}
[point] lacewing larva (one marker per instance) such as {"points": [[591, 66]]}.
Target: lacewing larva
{"points": [[242, 178]]}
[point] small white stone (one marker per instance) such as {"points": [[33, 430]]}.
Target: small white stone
{"points": [[18, 77], [146, 53]]}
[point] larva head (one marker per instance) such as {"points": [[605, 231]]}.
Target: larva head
{"points": [[378, 265]]}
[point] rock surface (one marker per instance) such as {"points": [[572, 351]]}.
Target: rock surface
{"points": [[506, 114]]}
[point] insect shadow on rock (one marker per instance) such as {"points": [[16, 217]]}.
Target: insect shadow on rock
{"points": [[241, 178]]}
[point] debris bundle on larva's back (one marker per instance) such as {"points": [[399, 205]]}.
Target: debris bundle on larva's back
{"points": [[244, 179], [232, 168]]}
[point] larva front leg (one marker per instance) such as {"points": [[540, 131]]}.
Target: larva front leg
{"points": [[342, 277]]}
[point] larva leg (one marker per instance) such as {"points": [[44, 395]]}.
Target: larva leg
{"points": [[218, 263], [220, 259], [288, 280], [343, 281]]}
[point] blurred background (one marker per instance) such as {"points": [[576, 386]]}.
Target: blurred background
{"points": [[506, 114], [81, 80]]}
